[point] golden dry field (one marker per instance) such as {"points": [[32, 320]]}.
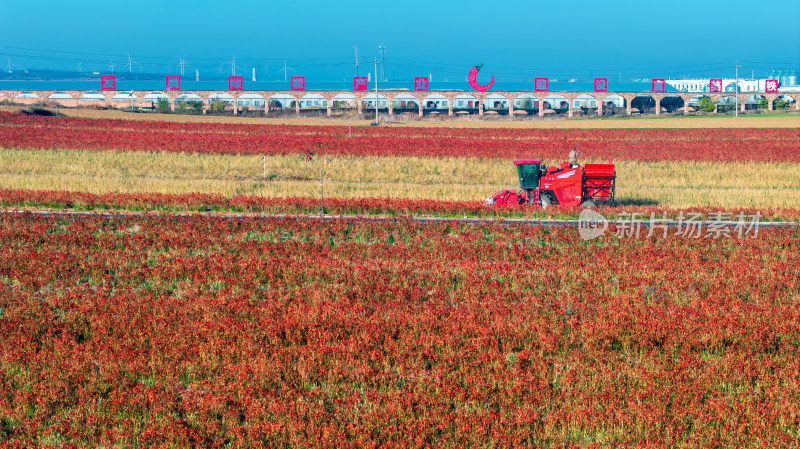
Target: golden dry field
{"points": [[676, 184]]}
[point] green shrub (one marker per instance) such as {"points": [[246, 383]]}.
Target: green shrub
{"points": [[218, 105], [706, 104]]}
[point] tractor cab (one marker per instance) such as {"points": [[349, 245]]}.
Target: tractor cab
{"points": [[529, 171]]}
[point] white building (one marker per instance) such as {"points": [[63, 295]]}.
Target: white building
{"points": [[728, 85]]}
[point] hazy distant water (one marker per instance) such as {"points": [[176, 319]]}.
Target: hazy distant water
{"points": [[310, 85]]}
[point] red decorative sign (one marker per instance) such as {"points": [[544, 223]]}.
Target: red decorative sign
{"points": [[715, 85], [108, 82], [359, 83], [540, 84], [601, 84], [473, 79], [421, 83], [659, 85], [235, 83], [298, 83], [771, 86], [173, 83]]}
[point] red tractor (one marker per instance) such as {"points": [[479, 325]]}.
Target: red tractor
{"points": [[590, 185]]}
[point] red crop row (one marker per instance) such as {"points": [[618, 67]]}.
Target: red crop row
{"points": [[335, 206], [18, 130], [390, 131], [244, 332]]}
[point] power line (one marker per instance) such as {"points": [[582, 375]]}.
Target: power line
{"points": [[107, 55], [363, 59], [524, 73], [530, 69]]}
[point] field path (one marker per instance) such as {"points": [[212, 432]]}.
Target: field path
{"points": [[464, 220]]}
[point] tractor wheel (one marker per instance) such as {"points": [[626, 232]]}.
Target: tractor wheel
{"points": [[589, 204], [546, 201]]}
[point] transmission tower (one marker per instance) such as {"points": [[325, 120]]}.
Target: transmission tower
{"points": [[382, 51]]}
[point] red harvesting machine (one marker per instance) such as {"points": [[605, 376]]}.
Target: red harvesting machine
{"points": [[590, 185]]}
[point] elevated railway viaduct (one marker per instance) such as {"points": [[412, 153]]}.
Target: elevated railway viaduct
{"points": [[127, 98]]}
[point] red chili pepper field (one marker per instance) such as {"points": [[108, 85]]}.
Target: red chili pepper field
{"points": [[726, 145], [356, 333], [175, 329]]}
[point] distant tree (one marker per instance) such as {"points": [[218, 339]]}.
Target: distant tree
{"points": [[163, 103], [706, 104], [781, 103], [217, 105], [763, 103]]}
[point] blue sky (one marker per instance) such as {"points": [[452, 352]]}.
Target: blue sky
{"points": [[517, 40]]}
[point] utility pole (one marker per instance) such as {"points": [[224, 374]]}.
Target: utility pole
{"points": [[376, 91], [356, 60], [285, 71], [736, 112]]}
